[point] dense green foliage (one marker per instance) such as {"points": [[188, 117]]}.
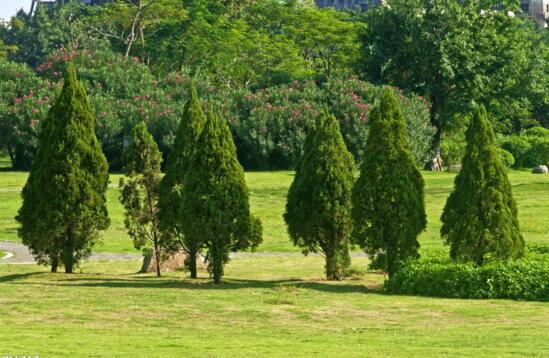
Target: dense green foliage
{"points": [[64, 203], [318, 210], [215, 208], [480, 221], [173, 184], [525, 279], [388, 201], [456, 52], [529, 148], [139, 194], [270, 125]]}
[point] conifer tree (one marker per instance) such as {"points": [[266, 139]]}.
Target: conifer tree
{"points": [[215, 208], [139, 194], [318, 209], [388, 199], [64, 198], [480, 219], [171, 187]]}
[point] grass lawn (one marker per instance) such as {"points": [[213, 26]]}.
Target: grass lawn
{"points": [[2, 254], [268, 198], [267, 306]]}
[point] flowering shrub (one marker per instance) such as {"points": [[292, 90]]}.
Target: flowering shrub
{"points": [[270, 125], [24, 102]]}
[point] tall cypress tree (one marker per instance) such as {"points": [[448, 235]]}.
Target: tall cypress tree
{"points": [[172, 185], [64, 204], [215, 208], [318, 210], [388, 199], [139, 194], [480, 219]]}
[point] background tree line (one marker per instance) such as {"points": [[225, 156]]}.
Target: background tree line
{"points": [[270, 66]]}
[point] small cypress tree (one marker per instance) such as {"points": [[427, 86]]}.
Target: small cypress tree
{"points": [[64, 197], [139, 194], [480, 219], [171, 187], [215, 206], [388, 199], [318, 210]]}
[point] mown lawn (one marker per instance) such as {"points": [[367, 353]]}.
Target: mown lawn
{"points": [[267, 306], [268, 198]]}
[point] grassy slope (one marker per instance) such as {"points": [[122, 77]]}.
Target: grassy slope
{"points": [[268, 197], [268, 306]]}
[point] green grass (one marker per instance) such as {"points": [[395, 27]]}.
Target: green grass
{"points": [[267, 306], [268, 198], [2, 254]]}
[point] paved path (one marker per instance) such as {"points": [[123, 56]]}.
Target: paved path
{"points": [[19, 254]]}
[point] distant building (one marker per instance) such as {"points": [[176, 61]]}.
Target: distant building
{"points": [[537, 10]]}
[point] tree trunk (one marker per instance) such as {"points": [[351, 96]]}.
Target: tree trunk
{"points": [[191, 262], [391, 262], [216, 262], [68, 255], [147, 259], [157, 257], [436, 164], [332, 267], [69, 263], [54, 264]]}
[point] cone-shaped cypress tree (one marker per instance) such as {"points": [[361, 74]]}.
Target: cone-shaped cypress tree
{"points": [[388, 200], [215, 208], [318, 210], [479, 220], [171, 187], [139, 194], [64, 197]]}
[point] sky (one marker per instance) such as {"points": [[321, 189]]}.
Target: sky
{"points": [[8, 8]]}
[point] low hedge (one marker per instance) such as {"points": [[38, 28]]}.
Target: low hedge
{"points": [[525, 279]]}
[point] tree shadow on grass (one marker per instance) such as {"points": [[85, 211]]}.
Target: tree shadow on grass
{"points": [[18, 276], [206, 284]]}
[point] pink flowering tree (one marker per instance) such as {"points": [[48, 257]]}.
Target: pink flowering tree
{"points": [[24, 102]]}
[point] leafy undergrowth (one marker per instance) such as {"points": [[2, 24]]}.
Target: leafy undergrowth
{"points": [[435, 275]]}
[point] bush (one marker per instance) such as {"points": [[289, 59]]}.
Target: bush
{"points": [[507, 158], [452, 148], [270, 125], [529, 148], [526, 279], [538, 153]]}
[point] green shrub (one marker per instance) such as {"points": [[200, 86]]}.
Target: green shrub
{"points": [[452, 148], [526, 279], [537, 132], [530, 148], [506, 157], [538, 153], [517, 146]]}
